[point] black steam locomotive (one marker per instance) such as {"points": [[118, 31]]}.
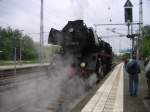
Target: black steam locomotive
{"points": [[89, 53]]}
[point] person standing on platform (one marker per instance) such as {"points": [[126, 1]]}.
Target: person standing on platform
{"points": [[125, 62], [147, 73], [133, 68], [146, 61], [97, 69]]}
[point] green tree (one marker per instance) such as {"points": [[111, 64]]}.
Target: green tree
{"points": [[10, 39], [28, 49], [146, 41], [6, 45]]}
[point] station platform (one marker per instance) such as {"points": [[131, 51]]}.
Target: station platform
{"points": [[18, 66], [113, 95]]}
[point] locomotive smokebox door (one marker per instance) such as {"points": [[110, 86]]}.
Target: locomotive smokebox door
{"points": [[128, 11]]}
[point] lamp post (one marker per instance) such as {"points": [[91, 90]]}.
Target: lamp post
{"points": [[14, 40], [15, 61], [15, 51], [20, 50]]}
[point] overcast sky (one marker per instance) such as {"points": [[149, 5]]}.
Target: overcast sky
{"points": [[25, 15]]}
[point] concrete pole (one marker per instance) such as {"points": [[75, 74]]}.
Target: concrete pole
{"points": [[41, 32]]}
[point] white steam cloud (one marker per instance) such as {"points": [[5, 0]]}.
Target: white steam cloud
{"points": [[51, 90], [79, 7]]}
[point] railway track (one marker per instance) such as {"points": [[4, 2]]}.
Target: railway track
{"points": [[24, 78], [9, 80], [12, 82], [26, 70], [24, 87]]}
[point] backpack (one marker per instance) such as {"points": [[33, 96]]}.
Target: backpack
{"points": [[133, 67]]}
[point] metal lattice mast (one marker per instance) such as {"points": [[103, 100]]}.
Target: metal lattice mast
{"points": [[141, 15], [141, 25]]}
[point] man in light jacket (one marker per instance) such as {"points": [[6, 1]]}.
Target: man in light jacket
{"points": [[147, 73]]}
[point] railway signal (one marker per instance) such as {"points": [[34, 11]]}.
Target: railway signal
{"points": [[128, 20], [128, 11], [128, 7]]}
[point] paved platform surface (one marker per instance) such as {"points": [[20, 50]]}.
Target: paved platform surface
{"points": [[109, 97], [7, 67], [113, 95]]}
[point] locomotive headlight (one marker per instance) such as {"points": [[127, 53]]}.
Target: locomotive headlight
{"points": [[82, 64], [70, 30]]}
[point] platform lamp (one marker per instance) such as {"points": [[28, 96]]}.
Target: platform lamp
{"points": [[128, 20]]}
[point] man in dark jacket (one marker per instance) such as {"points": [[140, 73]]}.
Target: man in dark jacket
{"points": [[133, 68], [98, 64]]}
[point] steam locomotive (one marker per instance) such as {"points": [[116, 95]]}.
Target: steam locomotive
{"points": [[90, 54]]}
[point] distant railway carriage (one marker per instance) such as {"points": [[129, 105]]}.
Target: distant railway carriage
{"points": [[84, 46]]}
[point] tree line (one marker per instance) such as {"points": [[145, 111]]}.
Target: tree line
{"points": [[10, 39]]}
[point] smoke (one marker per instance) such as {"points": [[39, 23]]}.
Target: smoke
{"points": [[79, 7], [73, 90], [72, 87], [51, 90]]}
